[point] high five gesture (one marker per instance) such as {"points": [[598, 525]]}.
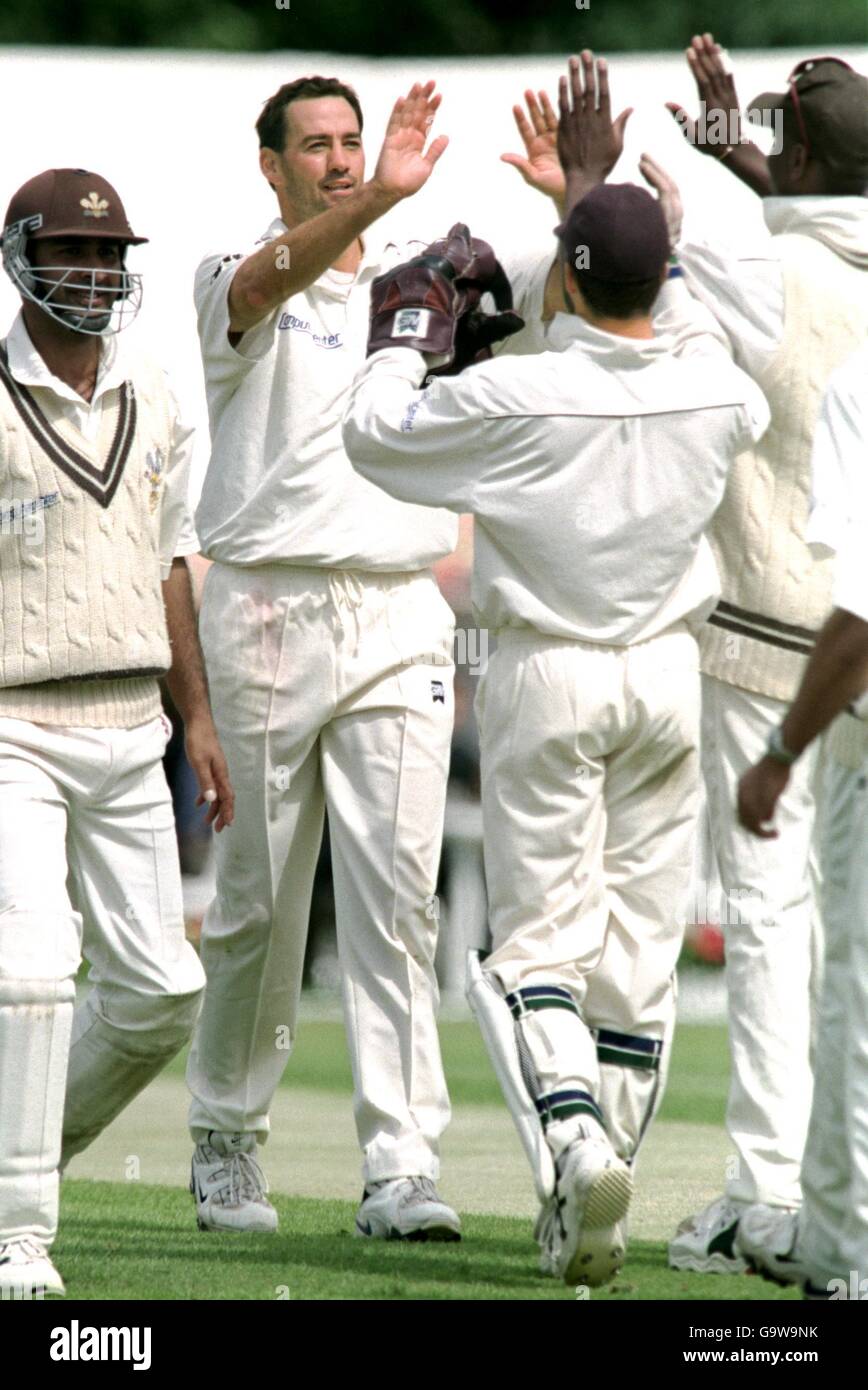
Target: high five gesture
{"points": [[589, 142], [404, 164]]}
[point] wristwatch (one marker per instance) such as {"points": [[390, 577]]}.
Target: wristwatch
{"points": [[777, 749]]}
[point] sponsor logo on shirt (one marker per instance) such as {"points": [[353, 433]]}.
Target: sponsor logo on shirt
{"points": [[438, 694], [323, 340], [412, 411]]}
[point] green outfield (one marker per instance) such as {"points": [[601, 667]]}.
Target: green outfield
{"points": [[128, 1229]]}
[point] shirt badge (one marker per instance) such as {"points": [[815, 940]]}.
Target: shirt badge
{"points": [[156, 464]]}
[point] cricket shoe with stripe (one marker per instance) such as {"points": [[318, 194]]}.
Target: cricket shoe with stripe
{"points": [[26, 1272], [705, 1243], [582, 1233], [768, 1238], [549, 1234], [406, 1209], [229, 1186]]}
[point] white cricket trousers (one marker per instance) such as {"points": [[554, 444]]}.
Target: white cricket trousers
{"points": [[590, 779], [835, 1169], [771, 927], [88, 864], [330, 689]]}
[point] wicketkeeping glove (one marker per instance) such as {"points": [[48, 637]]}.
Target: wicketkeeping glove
{"points": [[432, 304]]}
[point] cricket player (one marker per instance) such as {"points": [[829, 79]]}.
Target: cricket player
{"points": [[592, 468], [329, 655], [794, 305], [831, 1252], [95, 605]]}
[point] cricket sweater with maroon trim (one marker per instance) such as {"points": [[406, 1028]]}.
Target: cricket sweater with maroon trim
{"points": [[83, 633], [775, 594]]}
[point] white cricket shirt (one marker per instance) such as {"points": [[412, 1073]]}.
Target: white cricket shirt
{"points": [[592, 468], [279, 487]]}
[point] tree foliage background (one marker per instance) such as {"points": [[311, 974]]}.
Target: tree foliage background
{"points": [[433, 27]]}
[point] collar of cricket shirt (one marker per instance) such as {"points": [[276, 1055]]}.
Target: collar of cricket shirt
{"points": [[841, 223], [566, 331], [29, 369]]}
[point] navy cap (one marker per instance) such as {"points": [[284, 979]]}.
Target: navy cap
{"points": [[617, 232], [831, 102]]}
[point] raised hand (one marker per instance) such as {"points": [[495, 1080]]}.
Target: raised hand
{"points": [[540, 166], [719, 128], [719, 132], [589, 142], [667, 192], [404, 165]]}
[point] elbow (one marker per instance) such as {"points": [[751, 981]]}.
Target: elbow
{"points": [[247, 304]]}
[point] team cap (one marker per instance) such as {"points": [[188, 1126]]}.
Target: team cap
{"points": [[622, 231], [830, 103]]}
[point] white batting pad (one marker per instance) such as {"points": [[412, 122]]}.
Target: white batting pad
{"points": [[35, 1026], [498, 1033]]}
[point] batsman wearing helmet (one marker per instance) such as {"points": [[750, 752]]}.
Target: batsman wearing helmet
{"points": [[592, 467], [95, 605]]}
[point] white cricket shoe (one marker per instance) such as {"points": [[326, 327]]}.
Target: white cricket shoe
{"points": [[26, 1272], [582, 1233], [705, 1243], [406, 1209], [768, 1238], [229, 1186], [549, 1234]]}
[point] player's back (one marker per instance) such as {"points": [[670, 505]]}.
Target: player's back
{"points": [[608, 458]]}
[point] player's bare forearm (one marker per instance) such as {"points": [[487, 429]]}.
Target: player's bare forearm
{"points": [[835, 675], [578, 183], [749, 164], [186, 679], [295, 260], [188, 687]]}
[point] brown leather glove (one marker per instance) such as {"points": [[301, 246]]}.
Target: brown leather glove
{"points": [[432, 304]]}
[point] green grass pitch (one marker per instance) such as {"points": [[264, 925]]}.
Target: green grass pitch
{"points": [[138, 1239], [120, 1241]]}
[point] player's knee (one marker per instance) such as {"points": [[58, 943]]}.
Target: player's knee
{"points": [[176, 1018], [153, 1024], [39, 946], [237, 926]]}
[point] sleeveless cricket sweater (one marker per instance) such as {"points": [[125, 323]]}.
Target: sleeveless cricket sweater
{"points": [[775, 594], [82, 625]]}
